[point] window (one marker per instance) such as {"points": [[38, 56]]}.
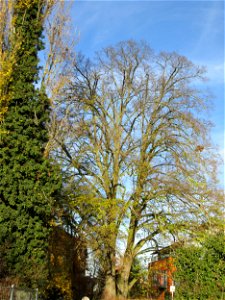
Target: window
{"points": [[159, 279]]}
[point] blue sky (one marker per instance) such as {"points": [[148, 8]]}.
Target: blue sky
{"points": [[192, 28]]}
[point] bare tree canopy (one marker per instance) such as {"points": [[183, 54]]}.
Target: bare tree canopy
{"points": [[135, 153]]}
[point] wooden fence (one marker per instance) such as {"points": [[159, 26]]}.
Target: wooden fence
{"points": [[16, 293]]}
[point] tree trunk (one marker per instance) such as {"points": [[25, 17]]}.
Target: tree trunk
{"points": [[123, 279], [109, 291]]}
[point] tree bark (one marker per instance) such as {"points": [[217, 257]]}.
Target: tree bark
{"points": [[109, 291], [123, 279]]}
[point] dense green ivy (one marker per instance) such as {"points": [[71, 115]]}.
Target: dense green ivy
{"points": [[29, 181], [201, 270]]}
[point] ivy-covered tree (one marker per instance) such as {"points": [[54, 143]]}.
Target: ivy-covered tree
{"points": [[29, 180]]}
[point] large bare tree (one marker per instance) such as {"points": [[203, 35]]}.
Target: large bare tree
{"points": [[135, 154]]}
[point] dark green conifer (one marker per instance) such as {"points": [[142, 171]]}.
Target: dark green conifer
{"points": [[29, 181]]}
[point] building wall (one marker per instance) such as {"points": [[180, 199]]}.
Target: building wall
{"points": [[161, 277], [68, 257]]}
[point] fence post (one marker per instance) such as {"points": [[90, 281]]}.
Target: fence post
{"points": [[36, 294], [11, 292]]}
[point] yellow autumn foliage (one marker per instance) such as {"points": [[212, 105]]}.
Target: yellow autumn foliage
{"points": [[24, 4], [7, 57]]}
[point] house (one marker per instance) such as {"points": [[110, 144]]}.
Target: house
{"points": [[161, 269]]}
